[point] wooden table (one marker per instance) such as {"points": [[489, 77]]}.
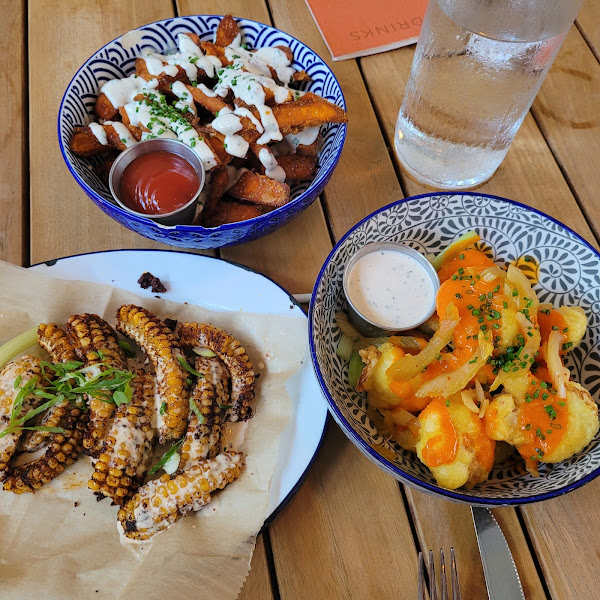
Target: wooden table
{"points": [[351, 531]]}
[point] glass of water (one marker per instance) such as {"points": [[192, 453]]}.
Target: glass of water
{"points": [[477, 68]]}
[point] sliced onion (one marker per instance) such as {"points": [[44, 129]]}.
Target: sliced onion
{"points": [[558, 372], [467, 397], [408, 343], [490, 273], [405, 419], [410, 365], [454, 249], [484, 405], [203, 352], [447, 384], [519, 281]]}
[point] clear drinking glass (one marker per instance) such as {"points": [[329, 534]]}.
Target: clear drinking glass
{"points": [[477, 68]]}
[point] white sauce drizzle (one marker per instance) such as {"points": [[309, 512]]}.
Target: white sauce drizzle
{"points": [[99, 133], [123, 133], [248, 75], [269, 162], [122, 91], [306, 137], [190, 58], [228, 124], [391, 289], [186, 100]]}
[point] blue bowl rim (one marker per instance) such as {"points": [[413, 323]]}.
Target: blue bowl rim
{"points": [[364, 446], [197, 228]]}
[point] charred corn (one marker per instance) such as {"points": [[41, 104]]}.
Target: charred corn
{"points": [[211, 395], [14, 376], [161, 346], [95, 341], [55, 341], [232, 353], [63, 450], [125, 453], [162, 501]]}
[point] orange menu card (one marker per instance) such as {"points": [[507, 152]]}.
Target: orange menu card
{"points": [[353, 28]]}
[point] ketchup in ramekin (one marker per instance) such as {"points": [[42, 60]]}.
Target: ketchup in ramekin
{"points": [[158, 183], [160, 179]]}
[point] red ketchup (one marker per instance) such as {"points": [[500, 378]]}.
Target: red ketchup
{"points": [[158, 183]]}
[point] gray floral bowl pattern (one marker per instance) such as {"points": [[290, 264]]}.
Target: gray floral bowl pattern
{"points": [[567, 271], [117, 60]]}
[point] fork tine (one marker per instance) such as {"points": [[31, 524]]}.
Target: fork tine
{"points": [[432, 582], [443, 582], [421, 584], [454, 573]]}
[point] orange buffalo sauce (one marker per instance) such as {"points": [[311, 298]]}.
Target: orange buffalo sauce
{"points": [[543, 418], [468, 258], [440, 449], [479, 304], [158, 183], [550, 319]]}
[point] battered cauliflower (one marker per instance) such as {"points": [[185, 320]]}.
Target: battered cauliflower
{"points": [[549, 430], [453, 444]]}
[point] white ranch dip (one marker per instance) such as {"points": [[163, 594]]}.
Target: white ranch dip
{"points": [[391, 289]]}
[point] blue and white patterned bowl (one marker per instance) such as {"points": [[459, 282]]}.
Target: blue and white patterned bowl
{"points": [[567, 270], [116, 61]]}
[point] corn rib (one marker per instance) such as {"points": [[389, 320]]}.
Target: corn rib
{"points": [[232, 353], [95, 341], [202, 439], [125, 453], [14, 376], [55, 341], [162, 501], [161, 346], [63, 450]]}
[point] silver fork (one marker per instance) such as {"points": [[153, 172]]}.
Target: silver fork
{"points": [[433, 588]]}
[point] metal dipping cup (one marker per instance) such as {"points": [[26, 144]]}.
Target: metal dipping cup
{"points": [[369, 328], [181, 216]]}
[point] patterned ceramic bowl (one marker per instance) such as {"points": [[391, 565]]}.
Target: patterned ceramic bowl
{"points": [[117, 60], [567, 271]]}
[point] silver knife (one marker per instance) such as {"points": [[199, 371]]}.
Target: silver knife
{"points": [[501, 575]]}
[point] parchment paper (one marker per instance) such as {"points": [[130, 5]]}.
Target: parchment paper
{"points": [[61, 543]]}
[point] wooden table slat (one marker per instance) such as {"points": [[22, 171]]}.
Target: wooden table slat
{"points": [[588, 21], [572, 126], [14, 197]]}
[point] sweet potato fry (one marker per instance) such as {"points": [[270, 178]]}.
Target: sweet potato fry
{"points": [[226, 31], [297, 167], [104, 108], [308, 111], [212, 104], [232, 212], [84, 143], [164, 80], [259, 189], [309, 149], [219, 180], [211, 49]]}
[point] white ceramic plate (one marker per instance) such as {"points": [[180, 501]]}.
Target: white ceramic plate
{"points": [[218, 289]]}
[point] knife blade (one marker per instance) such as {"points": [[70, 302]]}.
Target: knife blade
{"points": [[501, 575]]}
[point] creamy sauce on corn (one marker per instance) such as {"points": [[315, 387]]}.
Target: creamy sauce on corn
{"points": [[391, 289]]}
